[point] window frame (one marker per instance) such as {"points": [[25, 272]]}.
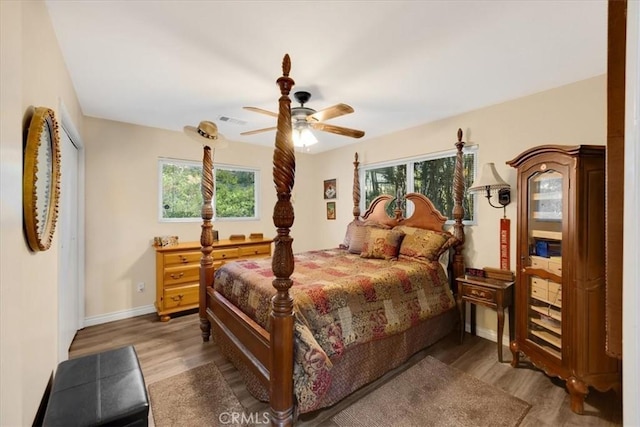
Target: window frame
{"points": [[409, 164], [197, 164]]}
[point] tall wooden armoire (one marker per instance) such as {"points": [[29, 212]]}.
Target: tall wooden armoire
{"points": [[560, 281]]}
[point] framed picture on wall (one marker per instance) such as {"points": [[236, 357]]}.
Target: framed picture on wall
{"points": [[331, 210], [330, 190]]}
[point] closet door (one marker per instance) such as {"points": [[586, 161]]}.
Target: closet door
{"points": [[68, 268]]}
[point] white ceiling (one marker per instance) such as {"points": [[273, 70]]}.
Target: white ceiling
{"points": [[168, 64]]}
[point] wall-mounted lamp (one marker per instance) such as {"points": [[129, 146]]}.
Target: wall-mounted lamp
{"points": [[490, 182]]}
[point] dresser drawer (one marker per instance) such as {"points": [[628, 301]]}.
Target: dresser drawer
{"points": [[555, 293], [478, 293], [182, 258], [555, 267], [179, 296], [539, 288], [227, 253], [254, 250], [181, 274]]}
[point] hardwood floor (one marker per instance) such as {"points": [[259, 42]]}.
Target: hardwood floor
{"points": [[167, 349]]}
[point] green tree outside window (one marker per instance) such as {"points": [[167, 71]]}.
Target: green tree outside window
{"points": [[235, 194]]}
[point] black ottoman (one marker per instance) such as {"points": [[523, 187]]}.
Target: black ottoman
{"points": [[105, 389]]}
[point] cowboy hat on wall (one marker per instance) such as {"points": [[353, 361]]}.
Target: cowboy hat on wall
{"points": [[207, 134]]}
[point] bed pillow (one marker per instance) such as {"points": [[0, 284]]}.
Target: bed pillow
{"points": [[425, 244], [359, 234], [381, 243], [351, 229]]}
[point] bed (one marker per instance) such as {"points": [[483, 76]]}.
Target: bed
{"points": [[306, 330]]}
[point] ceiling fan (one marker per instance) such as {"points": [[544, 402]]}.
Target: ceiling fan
{"points": [[304, 119]]}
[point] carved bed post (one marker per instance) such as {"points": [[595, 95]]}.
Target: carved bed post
{"points": [[458, 210], [356, 188], [206, 240], [284, 165]]}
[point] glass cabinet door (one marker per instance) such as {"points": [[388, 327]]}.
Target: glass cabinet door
{"points": [[543, 273]]}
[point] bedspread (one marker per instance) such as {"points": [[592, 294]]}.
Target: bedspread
{"points": [[340, 300]]}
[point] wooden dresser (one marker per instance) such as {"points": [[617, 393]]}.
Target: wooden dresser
{"points": [[178, 270], [560, 284]]}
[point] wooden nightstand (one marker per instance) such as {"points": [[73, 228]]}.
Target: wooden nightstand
{"points": [[493, 293]]}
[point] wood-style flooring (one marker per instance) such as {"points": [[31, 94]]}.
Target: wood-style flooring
{"points": [[167, 349]]}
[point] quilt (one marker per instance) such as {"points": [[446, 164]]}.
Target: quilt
{"points": [[340, 300]]}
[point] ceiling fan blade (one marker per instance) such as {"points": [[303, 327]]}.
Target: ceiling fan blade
{"points": [[252, 132], [353, 133], [330, 112], [261, 111]]}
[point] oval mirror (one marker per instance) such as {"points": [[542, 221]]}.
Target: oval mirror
{"points": [[41, 179]]}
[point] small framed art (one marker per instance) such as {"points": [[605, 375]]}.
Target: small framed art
{"points": [[330, 191], [331, 210]]}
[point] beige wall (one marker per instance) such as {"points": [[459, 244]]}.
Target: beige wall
{"points": [[33, 74], [572, 114], [122, 208]]}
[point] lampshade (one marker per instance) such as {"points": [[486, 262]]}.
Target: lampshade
{"points": [[303, 137], [489, 180]]}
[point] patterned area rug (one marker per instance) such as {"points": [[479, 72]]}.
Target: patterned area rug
{"points": [[431, 393], [198, 397]]}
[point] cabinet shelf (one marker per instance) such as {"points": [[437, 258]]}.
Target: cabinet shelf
{"points": [[546, 301], [545, 234], [552, 328], [548, 337], [548, 311]]}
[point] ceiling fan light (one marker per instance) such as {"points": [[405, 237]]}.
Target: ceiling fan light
{"points": [[303, 137]]}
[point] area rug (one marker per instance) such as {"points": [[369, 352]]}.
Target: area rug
{"points": [[198, 397], [431, 393]]}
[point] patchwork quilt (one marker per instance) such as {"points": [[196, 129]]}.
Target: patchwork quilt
{"points": [[340, 300]]}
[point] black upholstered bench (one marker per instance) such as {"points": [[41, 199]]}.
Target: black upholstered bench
{"points": [[104, 389]]}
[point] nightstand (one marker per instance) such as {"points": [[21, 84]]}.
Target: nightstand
{"points": [[493, 293]]}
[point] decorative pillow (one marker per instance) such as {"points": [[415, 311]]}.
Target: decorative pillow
{"points": [[359, 234], [381, 243], [425, 244], [351, 229]]}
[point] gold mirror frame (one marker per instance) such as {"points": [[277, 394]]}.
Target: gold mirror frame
{"points": [[41, 179]]}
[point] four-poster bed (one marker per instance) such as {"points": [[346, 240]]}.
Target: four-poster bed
{"points": [[359, 311]]}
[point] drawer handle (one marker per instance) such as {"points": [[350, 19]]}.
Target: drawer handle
{"points": [[478, 293], [177, 276], [177, 298], [255, 252], [184, 259], [224, 255]]}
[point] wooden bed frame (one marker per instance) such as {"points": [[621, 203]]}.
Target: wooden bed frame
{"points": [[270, 356]]}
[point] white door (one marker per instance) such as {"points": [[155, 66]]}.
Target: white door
{"points": [[67, 227]]}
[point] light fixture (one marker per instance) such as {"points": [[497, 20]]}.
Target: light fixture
{"points": [[490, 182], [302, 136]]}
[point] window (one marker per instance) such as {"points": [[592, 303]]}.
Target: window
{"points": [[235, 196], [429, 175]]}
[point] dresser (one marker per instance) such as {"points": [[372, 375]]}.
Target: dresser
{"points": [[178, 270], [560, 282]]}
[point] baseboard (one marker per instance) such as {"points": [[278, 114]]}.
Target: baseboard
{"points": [[119, 315], [489, 334]]}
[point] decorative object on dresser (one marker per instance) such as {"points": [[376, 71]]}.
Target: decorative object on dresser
{"points": [[178, 270], [488, 292], [560, 283]]}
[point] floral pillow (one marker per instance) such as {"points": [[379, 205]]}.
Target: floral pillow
{"points": [[425, 244], [382, 243], [359, 234]]}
